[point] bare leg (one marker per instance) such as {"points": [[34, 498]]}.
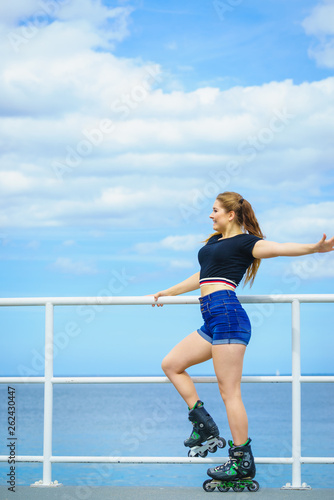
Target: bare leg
{"points": [[228, 362], [190, 351]]}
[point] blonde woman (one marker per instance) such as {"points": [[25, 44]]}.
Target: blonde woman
{"points": [[232, 253]]}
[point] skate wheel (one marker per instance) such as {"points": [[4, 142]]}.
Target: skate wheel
{"points": [[237, 488], [207, 486], [254, 487], [221, 443], [223, 488], [202, 454], [212, 449]]}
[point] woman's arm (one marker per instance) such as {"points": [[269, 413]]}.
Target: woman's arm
{"points": [[267, 249], [188, 285]]}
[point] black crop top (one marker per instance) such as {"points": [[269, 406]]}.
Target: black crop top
{"points": [[226, 260]]}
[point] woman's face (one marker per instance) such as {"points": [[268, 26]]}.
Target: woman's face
{"points": [[220, 217]]}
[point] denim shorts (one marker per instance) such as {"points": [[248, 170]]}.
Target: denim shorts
{"points": [[225, 320]]}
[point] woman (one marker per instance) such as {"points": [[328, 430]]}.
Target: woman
{"points": [[232, 252]]}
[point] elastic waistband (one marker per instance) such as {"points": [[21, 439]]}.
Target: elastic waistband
{"points": [[216, 295], [214, 281]]}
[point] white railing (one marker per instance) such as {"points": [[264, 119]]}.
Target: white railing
{"points": [[48, 380]]}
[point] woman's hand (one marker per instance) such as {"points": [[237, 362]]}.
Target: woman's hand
{"points": [[324, 245], [157, 295]]}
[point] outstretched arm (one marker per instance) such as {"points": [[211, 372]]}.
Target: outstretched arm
{"points": [[267, 249], [188, 285]]}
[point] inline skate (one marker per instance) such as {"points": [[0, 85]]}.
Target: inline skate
{"points": [[237, 473], [205, 435]]}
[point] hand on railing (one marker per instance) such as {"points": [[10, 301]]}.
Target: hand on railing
{"points": [[156, 296]]}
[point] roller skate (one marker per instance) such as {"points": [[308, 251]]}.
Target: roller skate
{"points": [[237, 473], [205, 431]]}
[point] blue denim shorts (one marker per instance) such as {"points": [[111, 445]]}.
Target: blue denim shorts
{"points": [[225, 320]]}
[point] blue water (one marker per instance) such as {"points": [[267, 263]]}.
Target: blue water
{"points": [[151, 420]]}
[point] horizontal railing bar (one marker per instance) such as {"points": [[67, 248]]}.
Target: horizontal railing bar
{"points": [[102, 301], [317, 378], [113, 380], [22, 380], [163, 460], [23, 458], [317, 460], [163, 380], [148, 300], [160, 380], [141, 460]]}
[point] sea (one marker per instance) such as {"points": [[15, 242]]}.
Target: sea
{"points": [[152, 420]]}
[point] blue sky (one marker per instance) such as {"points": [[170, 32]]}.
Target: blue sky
{"points": [[120, 123]]}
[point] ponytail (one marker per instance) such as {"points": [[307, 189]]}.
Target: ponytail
{"points": [[247, 220]]}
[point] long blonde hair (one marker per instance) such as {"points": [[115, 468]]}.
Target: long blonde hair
{"points": [[246, 218]]}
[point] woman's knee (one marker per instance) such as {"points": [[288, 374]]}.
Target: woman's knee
{"points": [[169, 365], [166, 365], [229, 393]]}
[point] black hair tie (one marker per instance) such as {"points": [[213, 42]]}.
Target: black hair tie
{"points": [[241, 201]]}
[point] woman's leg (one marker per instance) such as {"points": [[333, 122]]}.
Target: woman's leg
{"points": [[228, 362], [190, 351]]}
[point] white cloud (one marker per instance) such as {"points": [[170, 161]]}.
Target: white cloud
{"points": [[320, 24], [165, 156], [303, 223], [14, 182], [312, 267], [32, 19], [15, 10], [183, 243], [296, 273], [68, 266], [75, 79], [112, 20], [181, 264], [176, 243], [154, 169], [320, 21]]}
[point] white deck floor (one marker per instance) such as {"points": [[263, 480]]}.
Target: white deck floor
{"points": [[154, 493]]}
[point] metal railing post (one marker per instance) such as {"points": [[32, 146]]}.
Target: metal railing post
{"points": [[48, 400], [296, 395], [296, 399], [48, 394]]}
